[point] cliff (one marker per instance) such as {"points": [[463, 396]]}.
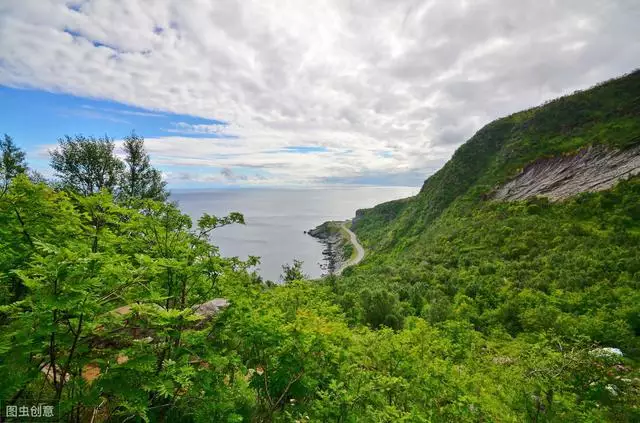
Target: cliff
{"points": [[592, 169], [583, 142]]}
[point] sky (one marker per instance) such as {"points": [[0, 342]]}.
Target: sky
{"points": [[290, 92]]}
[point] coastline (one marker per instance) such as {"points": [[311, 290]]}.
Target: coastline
{"points": [[357, 251], [342, 248]]}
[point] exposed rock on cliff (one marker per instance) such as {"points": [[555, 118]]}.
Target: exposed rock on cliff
{"points": [[329, 234], [558, 178]]}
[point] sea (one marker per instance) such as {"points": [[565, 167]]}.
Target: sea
{"points": [[276, 219]]}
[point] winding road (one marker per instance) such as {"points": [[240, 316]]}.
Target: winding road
{"points": [[359, 250]]}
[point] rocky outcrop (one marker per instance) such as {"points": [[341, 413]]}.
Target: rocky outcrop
{"points": [[209, 309], [329, 234], [591, 169], [91, 371]]}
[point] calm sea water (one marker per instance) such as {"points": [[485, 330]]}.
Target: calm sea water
{"points": [[276, 219]]}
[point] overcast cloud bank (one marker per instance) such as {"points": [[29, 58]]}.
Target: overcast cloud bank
{"points": [[317, 91]]}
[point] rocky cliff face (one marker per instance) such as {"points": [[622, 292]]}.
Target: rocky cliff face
{"points": [[328, 234], [591, 169]]}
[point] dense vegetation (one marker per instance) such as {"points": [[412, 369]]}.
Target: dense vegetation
{"points": [[525, 269], [464, 309]]}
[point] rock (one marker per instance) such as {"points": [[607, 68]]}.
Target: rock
{"points": [[211, 308], [591, 169], [612, 389], [321, 231], [607, 352], [47, 369], [359, 215], [503, 361], [122, 310], [330, 235]]}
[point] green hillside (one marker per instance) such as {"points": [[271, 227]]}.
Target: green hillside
{"points": [[450, 246], [528, 269], [116, 306], [607, 114]]}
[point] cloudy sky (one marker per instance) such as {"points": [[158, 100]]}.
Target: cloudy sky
{"points": [[282, 92]]}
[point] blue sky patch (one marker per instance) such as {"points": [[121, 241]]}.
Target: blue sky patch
{"points": [[305, 149], [38, 117]]}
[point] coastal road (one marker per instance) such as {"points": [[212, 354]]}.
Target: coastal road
{"points": [[359, 250]]}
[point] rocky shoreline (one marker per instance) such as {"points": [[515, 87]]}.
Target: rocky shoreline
{"points": [[330, 236]]}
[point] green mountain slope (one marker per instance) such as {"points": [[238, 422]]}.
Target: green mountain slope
{"points": [[607, 114], [517, 287], [571, 268]]}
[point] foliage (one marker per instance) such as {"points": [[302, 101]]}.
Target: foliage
{"points": [[464, 309], [79, 259], [139, 179], [292, 272], [12, 161], [86, 164]]}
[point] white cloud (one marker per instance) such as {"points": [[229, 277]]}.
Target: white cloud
{"points": [[410, 78], [122, 112], [188, 128]]}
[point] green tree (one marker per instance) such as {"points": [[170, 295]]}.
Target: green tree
{"points": [[112, 294], [381, 308], [140, 179], [13, 160], [87, 164], [293, 272]]}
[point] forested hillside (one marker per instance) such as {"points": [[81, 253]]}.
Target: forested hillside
{"points": [[606, 115], [529, 269], [119, 308]]}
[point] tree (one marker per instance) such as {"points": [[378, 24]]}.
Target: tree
{"points": [[87, 164], [293, 272], [94, 273], [140, 179], [380, 308], [13, 160]]}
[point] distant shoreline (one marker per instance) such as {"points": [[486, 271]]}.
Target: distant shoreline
{"points": [[339, 242]]}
